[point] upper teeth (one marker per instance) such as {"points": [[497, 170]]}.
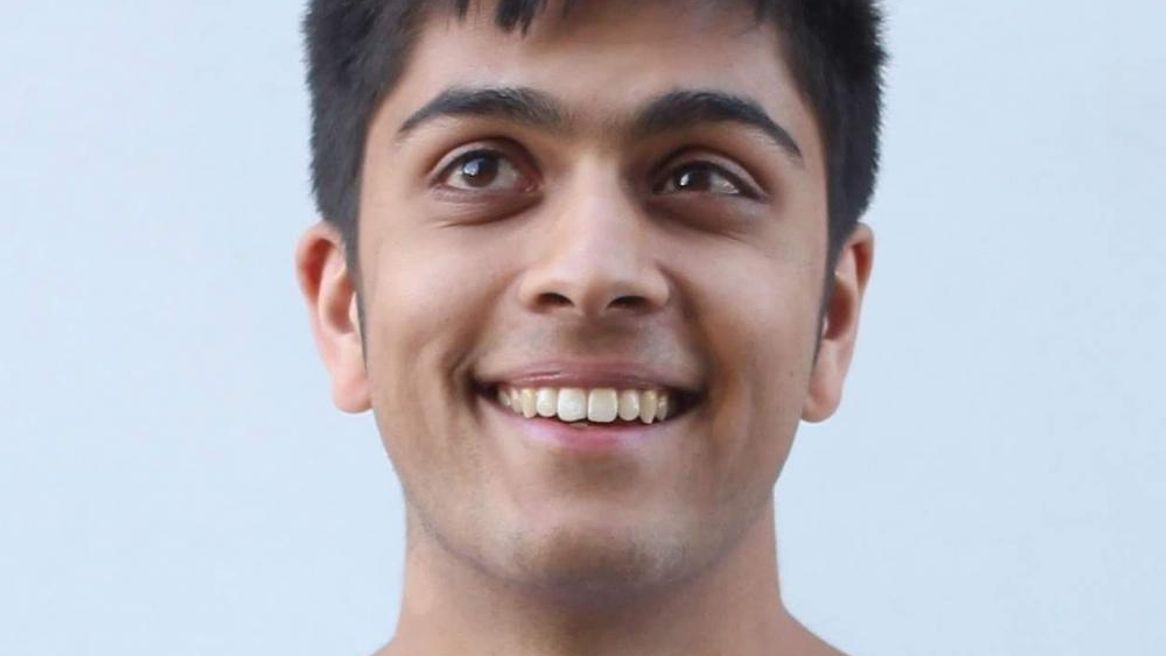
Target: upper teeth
{"points": [[601, 405]]}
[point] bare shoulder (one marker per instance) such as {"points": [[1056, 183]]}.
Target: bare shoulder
{"points": [[801, 641]]}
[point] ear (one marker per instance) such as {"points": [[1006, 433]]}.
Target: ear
{"points": [[840, 327], [330, 292]]}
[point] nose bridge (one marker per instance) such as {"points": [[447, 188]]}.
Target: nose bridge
{"points": [[595, 255]]}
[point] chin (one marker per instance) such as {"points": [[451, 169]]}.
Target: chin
{"points": [[585, 563]]}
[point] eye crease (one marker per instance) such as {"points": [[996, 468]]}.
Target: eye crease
{"points": [[488, 170], [703, 177], [484, 170]]}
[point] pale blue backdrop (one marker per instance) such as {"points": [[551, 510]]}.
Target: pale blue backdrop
{"points": [[174, 479]]}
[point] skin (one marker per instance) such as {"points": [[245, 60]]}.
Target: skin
{"points": [[586, 247]]}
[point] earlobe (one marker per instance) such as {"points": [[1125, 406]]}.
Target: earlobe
{"points": [[330, 293], [840, 325]]}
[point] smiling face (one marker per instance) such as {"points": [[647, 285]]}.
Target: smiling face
{"points": [[599, 210]]}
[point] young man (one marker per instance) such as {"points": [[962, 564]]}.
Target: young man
{"points": [[590, 263]]}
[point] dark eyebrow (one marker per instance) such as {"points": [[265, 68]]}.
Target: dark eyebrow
{"points": [[521, 105], [672, 111], [681, 109]]}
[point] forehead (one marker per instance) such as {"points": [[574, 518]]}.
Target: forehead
{"points": [[605, 58]]}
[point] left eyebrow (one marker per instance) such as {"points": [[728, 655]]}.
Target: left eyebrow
{"points": [[670, 112], [516, 104], [683, 109]]}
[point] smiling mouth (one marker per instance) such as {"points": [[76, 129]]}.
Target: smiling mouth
{"points": [[580, 407]]}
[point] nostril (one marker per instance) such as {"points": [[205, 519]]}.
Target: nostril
{"points": [[554, 299], [629, 302]]}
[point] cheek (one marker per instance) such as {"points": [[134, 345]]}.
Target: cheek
{"points": [[758, 320], [764, 382], [428, 302], [429, 294]]}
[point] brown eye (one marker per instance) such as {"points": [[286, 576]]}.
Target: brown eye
{"points": [[703, 177], [484, 170]]}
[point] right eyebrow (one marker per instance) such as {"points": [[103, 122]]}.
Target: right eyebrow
{"points": [[685, 108], [518, 104], [668, 112]]}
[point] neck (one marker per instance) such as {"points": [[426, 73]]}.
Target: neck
{"points": [[733, 607]]}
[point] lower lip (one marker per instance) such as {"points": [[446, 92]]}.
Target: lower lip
{"points": [[591, 438]]}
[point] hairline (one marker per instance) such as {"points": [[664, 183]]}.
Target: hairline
{"points": [[418, 16]]}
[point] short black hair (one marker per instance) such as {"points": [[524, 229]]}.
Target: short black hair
{"points": [[357, 50]]}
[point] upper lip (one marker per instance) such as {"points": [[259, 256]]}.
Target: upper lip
{"points": [[592, 374]]}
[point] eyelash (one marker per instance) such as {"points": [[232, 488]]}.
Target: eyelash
{"points": [[744, 189], [481, 151]]}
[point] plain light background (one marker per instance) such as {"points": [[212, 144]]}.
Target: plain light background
{"points": [[175, 480]]}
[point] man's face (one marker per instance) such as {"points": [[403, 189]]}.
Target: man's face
{"points": [[608, 219]]}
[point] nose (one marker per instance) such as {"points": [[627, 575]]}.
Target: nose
{"points": [[594, 255]]}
